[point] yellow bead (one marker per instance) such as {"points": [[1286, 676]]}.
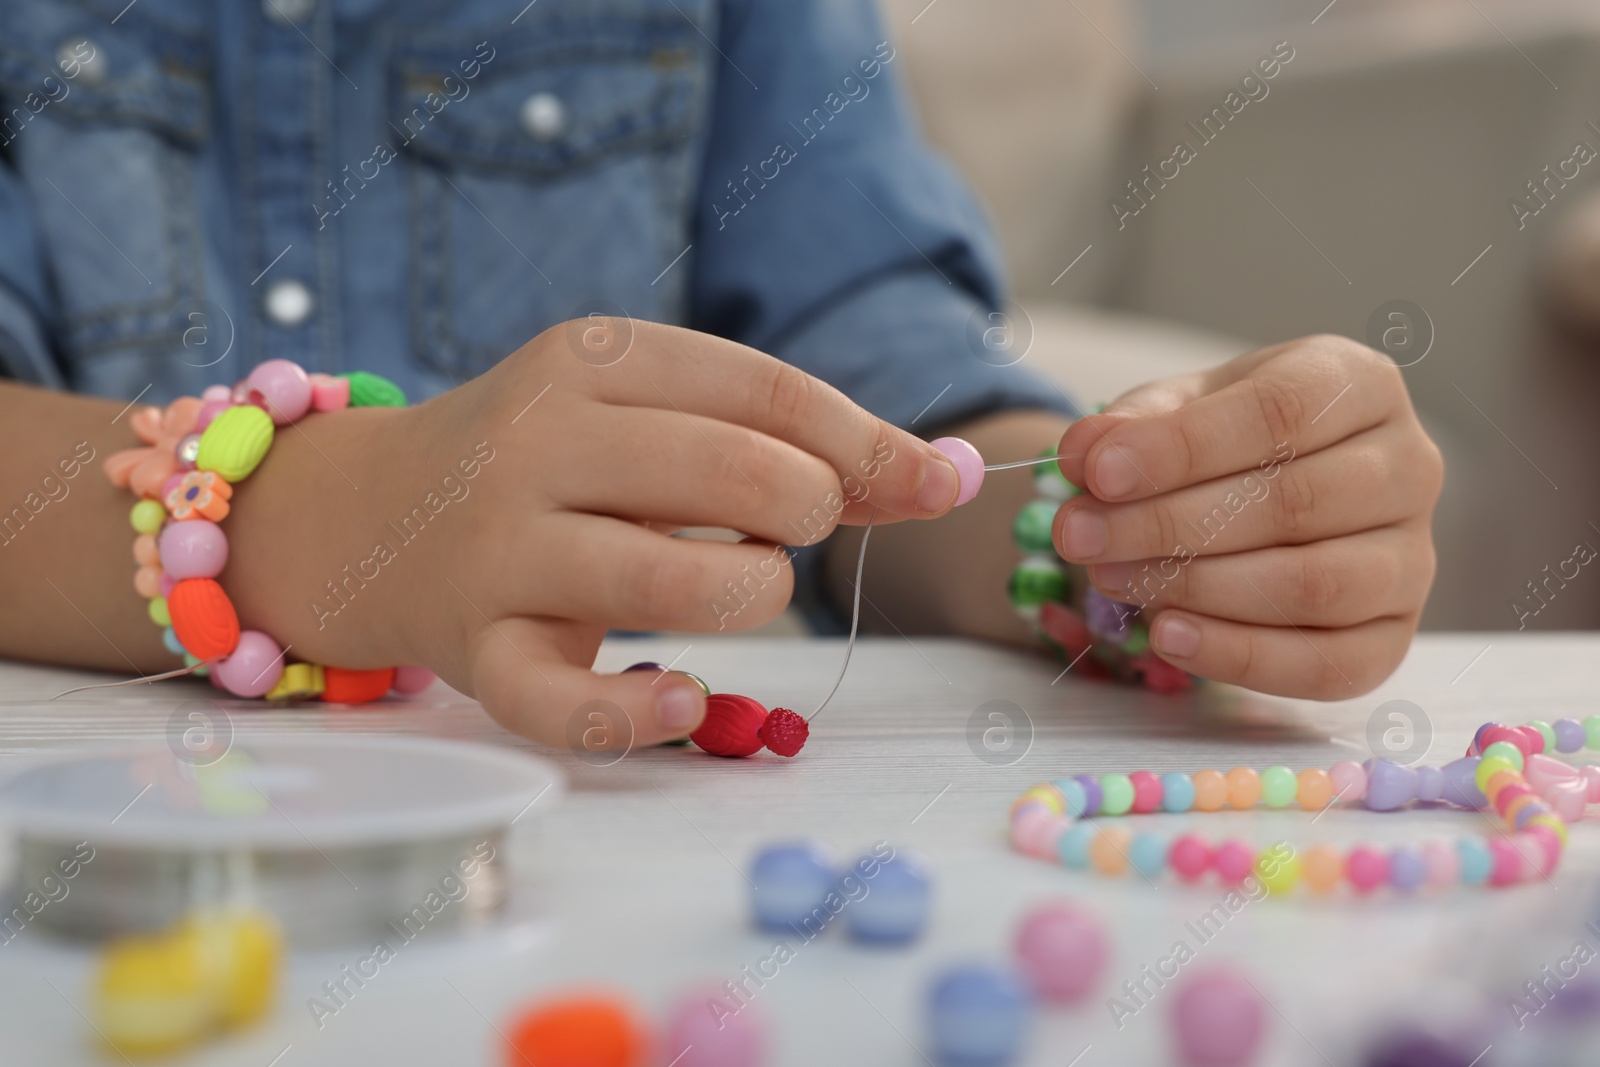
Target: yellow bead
{"points": [[1487, 768], [1278, 868], [1244, 788], [147, 516], [1108, 850], [1554, 823], [242, 951], [235, 442], [1210, 790], [1048, 795], [299, 681], [151, 994], [157, 610]]}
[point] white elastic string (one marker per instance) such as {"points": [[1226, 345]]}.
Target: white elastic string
{"points": [[131, 681], [1032, 462], [855, 618]]}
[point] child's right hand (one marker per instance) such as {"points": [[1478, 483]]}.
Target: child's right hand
{"points": [[496, 532]]}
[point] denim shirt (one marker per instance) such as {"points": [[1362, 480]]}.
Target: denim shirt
{"points": [[417, 188]]}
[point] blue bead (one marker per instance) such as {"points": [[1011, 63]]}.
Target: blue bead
{"points": [[1406, 869], [1073, 846], [1148, 854], [1177, 792], [1476, 863], [892, 908], [790, 885], [977, 1017], [170, 639], [1570, 735], [1073, 791]]}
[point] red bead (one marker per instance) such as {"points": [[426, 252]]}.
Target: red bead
{"points": [[784, 732], [1189, 857], [1233, 861], [1498, 732], [1503, 799], [343, 686], [203, 618], [732, 726], [1146, 792]]}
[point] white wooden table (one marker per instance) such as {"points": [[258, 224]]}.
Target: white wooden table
{"points": [[637, 871]]}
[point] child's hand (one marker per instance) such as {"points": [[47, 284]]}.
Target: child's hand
{"points": [[1271, 516], [526, 512]]}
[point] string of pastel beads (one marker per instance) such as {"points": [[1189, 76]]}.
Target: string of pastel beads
{"points": [[1507, 768]]}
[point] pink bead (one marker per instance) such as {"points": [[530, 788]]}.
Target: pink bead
{"points": [[1535, 740], [194, 548], [1509, 734], [254, 667], [1028, 827], [968, 465], [284, 387], [1543, 771], [1063, 950], [216, 392], [1569, 799], [1505, 860], [1443, 864], [1540, 847], [1217, 1019], [1503, 799], [1591, 779], [211, 409], [413, 679], [1146, 792], [1349, 781], [701, 1032], [329, 393], [168, 581], [1189, 857], [1233, 861], [1366, 868]]}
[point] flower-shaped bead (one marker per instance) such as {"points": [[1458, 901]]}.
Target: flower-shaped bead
{"points": [[144, 469], [200, 495]]}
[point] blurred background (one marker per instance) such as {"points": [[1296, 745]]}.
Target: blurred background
{"points": [[1420, 175]]}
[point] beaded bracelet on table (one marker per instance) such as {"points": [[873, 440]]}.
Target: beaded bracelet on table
{"points": [[1507, 768], [1097, 636]]}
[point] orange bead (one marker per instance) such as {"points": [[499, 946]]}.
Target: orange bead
{"points": [[147, 581], [1498, 781], [203, 618], [1321, 868], [355, 687], [145, 552], [1313, 789], [1108, 850], [1210, 790], [583, 1031], [1244, 788]]}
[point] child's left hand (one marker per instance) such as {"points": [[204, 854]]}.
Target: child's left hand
{"points": [[1271, 516]]}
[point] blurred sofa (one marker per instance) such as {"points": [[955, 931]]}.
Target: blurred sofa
{"points": [[1379, 166]]}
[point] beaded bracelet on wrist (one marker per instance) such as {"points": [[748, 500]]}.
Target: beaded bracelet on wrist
{"points": [[197, 450], [1509, 769], [1100, 636]]}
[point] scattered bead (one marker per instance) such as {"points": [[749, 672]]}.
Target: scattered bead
{"points": [[977, 1016], [1218, 1019], [784, 732], [1063, 950], [583, 1031], [703, 1031], [789, 883], [895, 910]]}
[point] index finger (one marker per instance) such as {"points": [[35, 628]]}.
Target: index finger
{"points": [[1309, 395], [696, 373]]}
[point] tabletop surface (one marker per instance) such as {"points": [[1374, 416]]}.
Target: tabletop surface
{"points": [[637, 873]]}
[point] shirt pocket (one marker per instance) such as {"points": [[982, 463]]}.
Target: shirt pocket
{"points": [[549, 175], [115, 117]]}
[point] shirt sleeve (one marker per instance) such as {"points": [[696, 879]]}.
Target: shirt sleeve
{"points": [[25, 353]]}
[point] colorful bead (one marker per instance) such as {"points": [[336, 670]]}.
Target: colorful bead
{"points": [[977, 1015], [1218, 1018], [1063, 950], [1048, 795], [1278, 787], [732, 726], [592, 1031], [1429, 783], [204, 619], [1031, 529], [1108, 850], [1233, 861], [703, 1037], [1504, 750], [1190, 857], [169, 639], [1244, 788], [147, 516], [345, 686], [412, 680], [1322, 868], [1313, 789], [788, 884], [1073, 797], [1116, 794], [1210, 790], [1278, 868], [145, 551], [1177, 792], [200, 495], [1147, 853], [1389, 785], [194, 549], [1037, 581], [968, 464], [284, 388], [1073, 846], [1442, 863], [1092, 795], [1547, 734], [235, 443], [1591, 732], [1349, 781], [1488, 767], [147, 581], [1569, 734], [1366, 868], [1029, 827], [329, 393], [1476, 861], [253, 667], [1505, 862], [157, 610], [299, 681], [896, 910], [1460, 785], [1146, 792], [1406, 869]]}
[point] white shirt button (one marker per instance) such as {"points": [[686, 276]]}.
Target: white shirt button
{"points": [[86, 60], [288, 302], [287, 12], [544, 116]]}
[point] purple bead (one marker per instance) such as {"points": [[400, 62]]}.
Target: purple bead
{"points": [[1528, 811], [891, 906], [193, 548], [1430, 783], [1406, 869], [1570, 735], [284, 387], [646, 666], [1389, 785], [1091, 794], [1477, 738], [1106, 618], [1460, 787], [1421, 1048]]}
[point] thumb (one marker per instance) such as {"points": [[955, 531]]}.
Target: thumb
{"points": [[530, 688], [1086, 438]]}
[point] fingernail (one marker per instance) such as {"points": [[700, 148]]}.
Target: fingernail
{"points": [[939, 486], [1176, 637], [1083, 534], [677, 709], [1114, 580], [1116, 474]]}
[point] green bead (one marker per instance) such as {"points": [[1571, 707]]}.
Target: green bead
{"points": [[368, 390], [1033, 524], [1035, 583], [147, 516], [1504, 750], [157, 609], [1488, 767], [1591, 727], [1116, 794], [235, 443], [199, 671], [1547, 732], [1278, 787], [1137, 640]]}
